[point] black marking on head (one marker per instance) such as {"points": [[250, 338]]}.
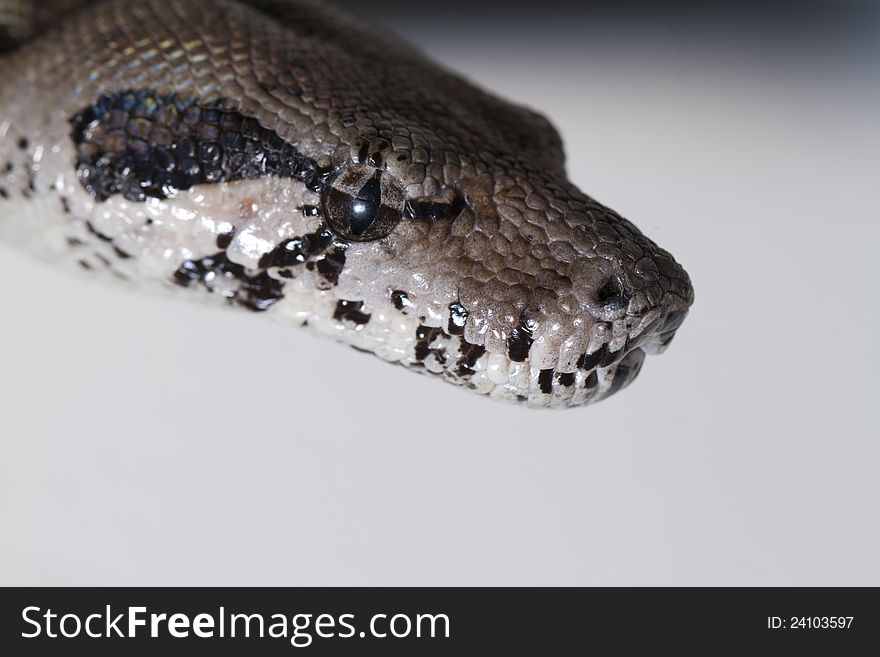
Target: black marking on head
{"points": [[65, 205], [255, 292], [122, 254], [22, 143], [432, 340], [401, 301], [225, 239], [363, 150], [84, 264], [298, 250], [436, 210], [592, 380], [140, 144], [425, 335], [610, 357], [331, 265], [457, 318], [3, 193], [351, 311], [520, 341], [470, 354], [545, 381], [567, 379]]}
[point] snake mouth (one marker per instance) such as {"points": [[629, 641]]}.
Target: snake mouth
{"points": [[657, 336], [598, 374]]}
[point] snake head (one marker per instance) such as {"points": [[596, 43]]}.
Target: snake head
{"points": [[288, 159]]}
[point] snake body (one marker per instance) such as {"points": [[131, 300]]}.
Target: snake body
{"points": [[285, 158]]}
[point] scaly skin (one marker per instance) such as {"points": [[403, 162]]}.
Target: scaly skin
{"points": [[221, 149]]}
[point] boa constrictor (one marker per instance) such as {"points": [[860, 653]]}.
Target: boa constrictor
{"points": [[283, 157]]}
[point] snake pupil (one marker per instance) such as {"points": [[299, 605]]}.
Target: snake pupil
{"points": [[365, 206]]}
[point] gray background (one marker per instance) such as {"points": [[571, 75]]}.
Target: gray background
{"points": [[146, 441]]}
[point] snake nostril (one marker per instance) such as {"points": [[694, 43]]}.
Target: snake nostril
{"points": [[612, 295]]}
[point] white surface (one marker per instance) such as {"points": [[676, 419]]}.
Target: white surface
{"points": [[145, 441]]}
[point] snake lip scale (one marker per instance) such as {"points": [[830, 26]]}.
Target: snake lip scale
{"points": [[286, 158]]}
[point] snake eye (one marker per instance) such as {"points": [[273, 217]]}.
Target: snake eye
{"points": [[363, 203]]}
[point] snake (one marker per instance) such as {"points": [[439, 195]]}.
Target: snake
{"points": [[290, 159]]}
